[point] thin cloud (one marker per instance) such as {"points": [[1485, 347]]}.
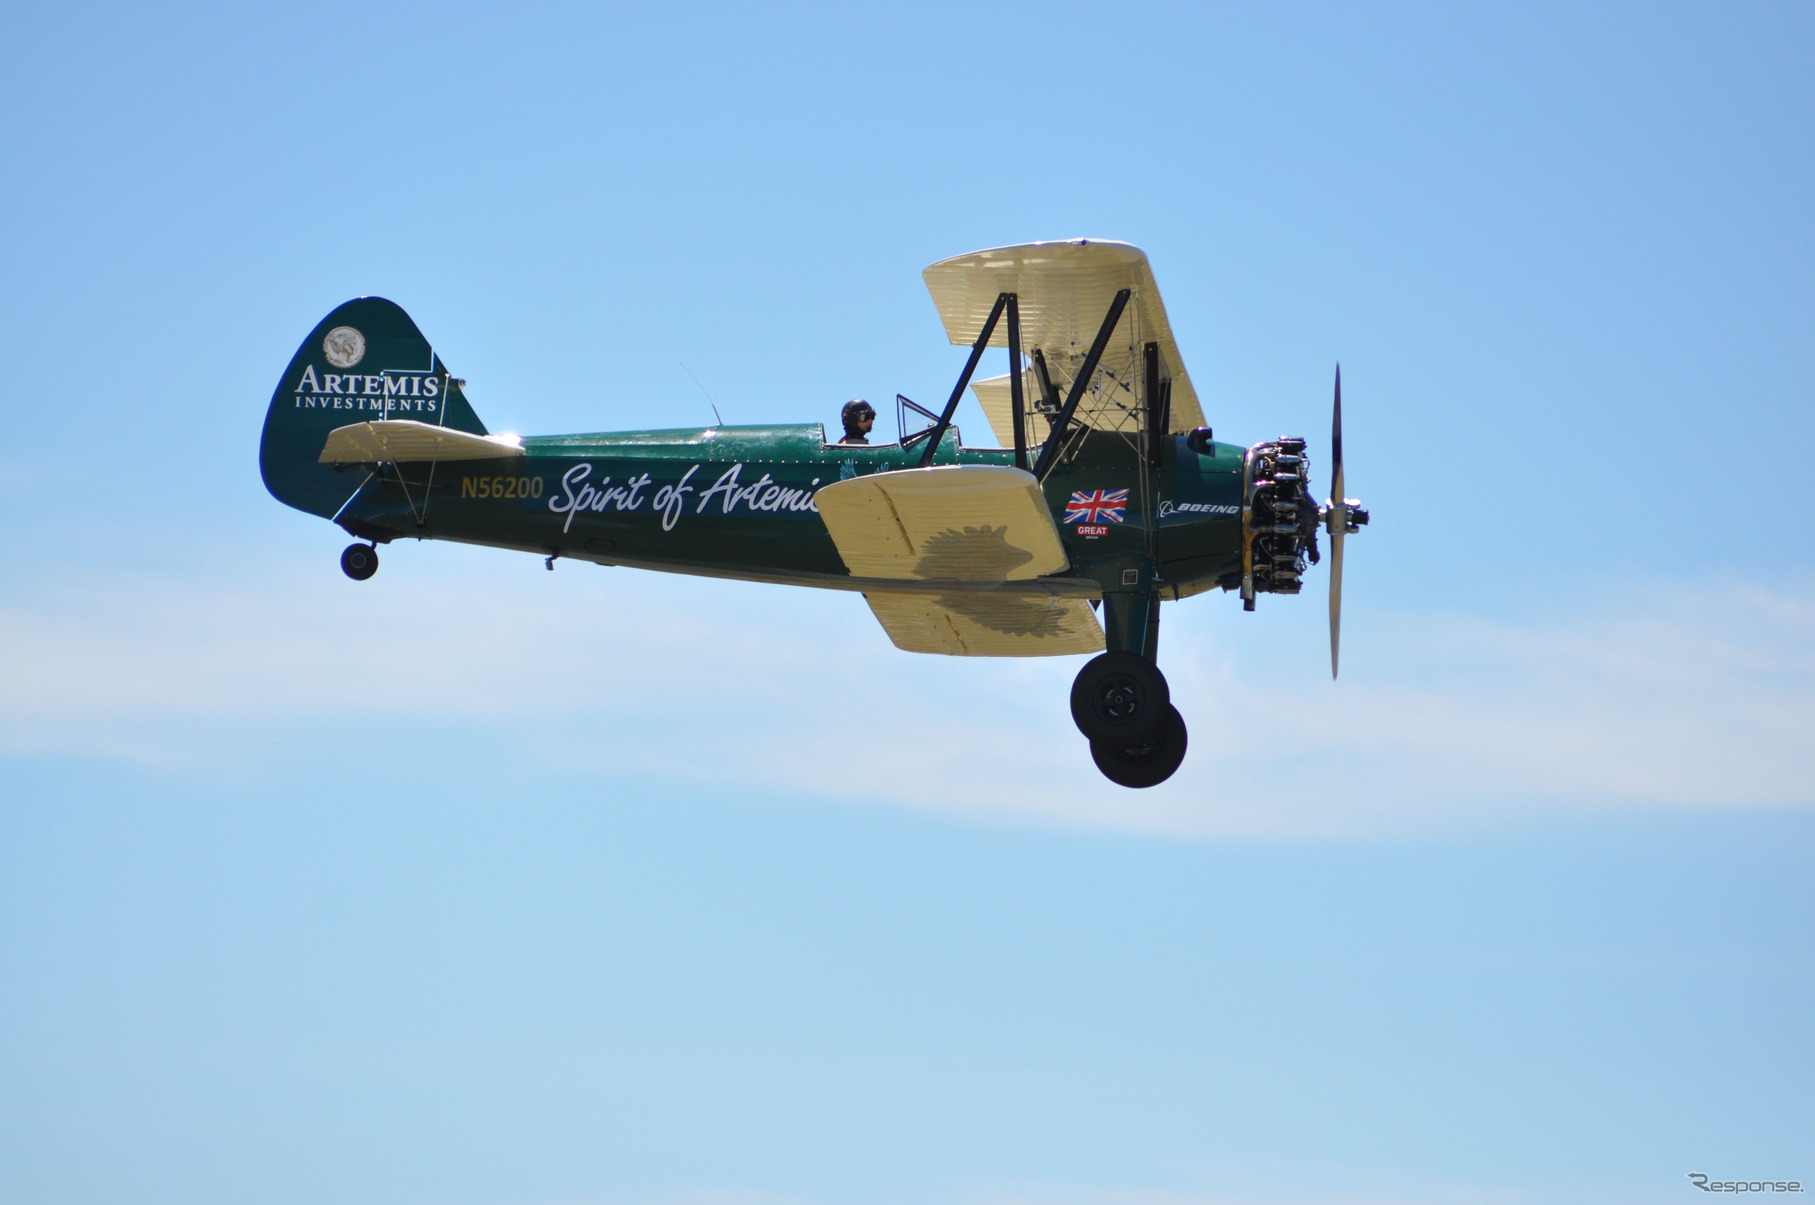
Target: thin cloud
{"points": [[1662, 697]]}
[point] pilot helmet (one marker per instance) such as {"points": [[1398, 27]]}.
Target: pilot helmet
{"points": [[855, 411]]}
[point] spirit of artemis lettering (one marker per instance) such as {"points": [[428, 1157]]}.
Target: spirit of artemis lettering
{"points": [[763, 494]]}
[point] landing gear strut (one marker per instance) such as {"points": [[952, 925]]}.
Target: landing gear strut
{"points": [[359, 561]]}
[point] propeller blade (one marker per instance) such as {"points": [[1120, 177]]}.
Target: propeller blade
{"points": [[1335, 598], [1336, 436], [1339, 526]]}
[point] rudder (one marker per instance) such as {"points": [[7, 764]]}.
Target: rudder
{"points": [[364, 361]]}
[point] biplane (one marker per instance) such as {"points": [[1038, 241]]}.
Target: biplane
{"points": [[1106, 497]]}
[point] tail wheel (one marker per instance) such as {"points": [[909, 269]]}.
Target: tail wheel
{"points": [[359, 561], [1147, 764], [1120, 699]]}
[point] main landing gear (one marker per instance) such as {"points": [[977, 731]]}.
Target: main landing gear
{"points": [[359, 561], [1121, 703], [1149, 763], [1119, 697]]}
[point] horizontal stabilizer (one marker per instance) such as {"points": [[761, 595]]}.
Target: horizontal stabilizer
{"points": [[988, 624], [962, 523], [405, 441]]}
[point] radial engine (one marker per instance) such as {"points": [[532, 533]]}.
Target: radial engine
{"points": [[1279, 519]]}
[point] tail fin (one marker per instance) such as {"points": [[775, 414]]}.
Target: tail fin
{"points": [[364, 361]]}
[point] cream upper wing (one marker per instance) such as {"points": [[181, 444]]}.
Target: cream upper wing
{"points": [[1063, 291]]}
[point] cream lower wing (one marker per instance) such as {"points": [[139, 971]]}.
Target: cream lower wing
{"points": [[975, 524], [988, 625]]}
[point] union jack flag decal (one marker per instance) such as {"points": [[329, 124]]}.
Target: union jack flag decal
{"points": [[1098, 506]]}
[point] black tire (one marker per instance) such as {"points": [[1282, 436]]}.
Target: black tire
{"points": [[359, 561], [1119, 698], [1148, 764]]}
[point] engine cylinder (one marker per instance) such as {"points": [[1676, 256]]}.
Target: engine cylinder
{"points": [[1279, 520]]}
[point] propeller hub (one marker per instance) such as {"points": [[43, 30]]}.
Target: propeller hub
{"points": [[1349, 517]]}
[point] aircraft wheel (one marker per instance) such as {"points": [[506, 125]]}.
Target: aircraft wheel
{"points": [[1119, 698], [1148, 764], [359, 561]]}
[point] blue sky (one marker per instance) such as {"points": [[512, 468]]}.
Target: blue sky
{"points": [[478, 883]]}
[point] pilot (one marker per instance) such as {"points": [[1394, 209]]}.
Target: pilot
{"points": [[859, 416]]}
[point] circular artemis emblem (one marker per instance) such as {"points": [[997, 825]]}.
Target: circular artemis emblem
{"points": [[344, 347]]}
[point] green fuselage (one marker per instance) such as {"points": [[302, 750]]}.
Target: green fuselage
{"points": [[738, 502], [728, 501]]}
